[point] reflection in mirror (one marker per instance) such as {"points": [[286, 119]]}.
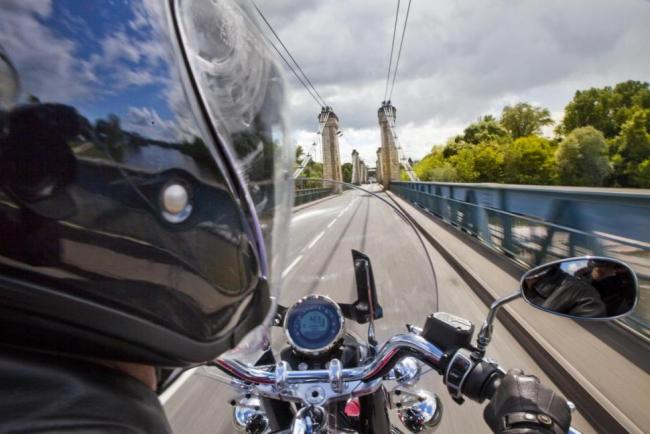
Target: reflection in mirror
{"points": [[585, 287]]}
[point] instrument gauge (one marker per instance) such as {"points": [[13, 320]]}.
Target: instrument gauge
{"points": [[314, 324]]}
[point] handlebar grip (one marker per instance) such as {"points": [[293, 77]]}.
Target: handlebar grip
{"points": [[483, 381]]}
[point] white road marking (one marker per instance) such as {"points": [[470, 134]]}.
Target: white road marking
{"points": [[332, 223], [315, 240], [293, 264], [164, 397]]}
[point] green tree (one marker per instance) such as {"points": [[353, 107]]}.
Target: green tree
{"points": [[630, 151], [487, 128], [300, 152], [605, 109], [434, 167], [529, 160], [346, 170], [480, 163], [523, 119], [581, 158]]}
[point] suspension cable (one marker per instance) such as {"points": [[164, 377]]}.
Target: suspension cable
{"points": [[294, 72], [392, 47], [321, 100], [399, 53]]}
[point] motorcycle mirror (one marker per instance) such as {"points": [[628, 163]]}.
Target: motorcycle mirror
{"points": [[582, 288], [367, 307]]}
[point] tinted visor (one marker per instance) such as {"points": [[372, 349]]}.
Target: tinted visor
{"points": [[116, 186]]}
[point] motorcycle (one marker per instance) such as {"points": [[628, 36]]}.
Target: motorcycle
{"points": [[319, 376]]}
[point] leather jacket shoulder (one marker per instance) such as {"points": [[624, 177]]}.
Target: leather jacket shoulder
{"points": [[42, 393], [576, 297]]}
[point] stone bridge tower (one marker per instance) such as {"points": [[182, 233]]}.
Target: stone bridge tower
{"points": [[356, 168], [390, 167], [331, 155], [378, 166]]}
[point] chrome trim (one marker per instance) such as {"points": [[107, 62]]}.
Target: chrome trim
{"points": [[585, 258], [335, 369], [316, 351], [387, 356], [419, 411], [281, 372], [485, 335], [407, 371]]}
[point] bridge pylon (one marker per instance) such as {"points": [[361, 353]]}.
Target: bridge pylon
{"points": [[390, 165], [378, 171], [356, 168], [331, 154]]}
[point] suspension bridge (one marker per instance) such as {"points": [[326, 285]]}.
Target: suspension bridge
{"points": [[482, 238]]}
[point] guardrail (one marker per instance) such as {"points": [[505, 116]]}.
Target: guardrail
{"points": [[533, 225], [311, 194]]}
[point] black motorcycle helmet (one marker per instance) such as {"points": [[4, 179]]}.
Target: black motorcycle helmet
{"points": [[143, 178]]}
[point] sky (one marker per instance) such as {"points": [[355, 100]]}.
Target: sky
{"points": [[460, 60], [77, 45]]}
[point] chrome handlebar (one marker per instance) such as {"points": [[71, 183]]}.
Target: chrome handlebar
{"points": [[388, 355]]}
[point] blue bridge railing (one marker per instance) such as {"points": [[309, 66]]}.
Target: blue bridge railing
{"points": [[535, 224]]}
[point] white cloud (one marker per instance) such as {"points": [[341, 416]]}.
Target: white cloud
{"points": [[37, 52], [146, 122], [460, 59]]}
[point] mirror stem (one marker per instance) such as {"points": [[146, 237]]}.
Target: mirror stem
{"points": [[485, 335], [371, 323]]}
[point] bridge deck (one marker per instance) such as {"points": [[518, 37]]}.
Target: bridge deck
{"points": [[612, 366], [200, 404]]}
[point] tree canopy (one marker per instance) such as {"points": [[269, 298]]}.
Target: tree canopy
{"points": [[607, 108], [581, 158], [523, 119], [603, 139]]}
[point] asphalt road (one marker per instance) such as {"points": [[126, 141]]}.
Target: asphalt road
{"points": [[320, 262]]}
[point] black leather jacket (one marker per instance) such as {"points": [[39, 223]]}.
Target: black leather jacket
{"points": [[570, 295], [51, 394]]}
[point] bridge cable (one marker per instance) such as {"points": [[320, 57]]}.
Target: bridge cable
{"points": [[399, 53], [321, 100], [392, 48], [319, 103]]}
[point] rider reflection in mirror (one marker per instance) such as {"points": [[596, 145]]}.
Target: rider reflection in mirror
{"points": [[614, 283], [556, 290]]}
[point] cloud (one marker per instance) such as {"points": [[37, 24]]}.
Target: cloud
{"points": [[148, 123], [460, 59], [37, 52]]}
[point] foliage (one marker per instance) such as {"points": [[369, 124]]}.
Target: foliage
{"points": [[313, 170], [523, 119], [346, 170], [433, 167], [604, 139], [480, 163], [300, 152], [607, 108], [630, 151], [529, 160], [487, 128], [581, 158]]}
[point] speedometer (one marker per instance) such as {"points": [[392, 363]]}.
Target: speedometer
{"points": [[314, 324]]}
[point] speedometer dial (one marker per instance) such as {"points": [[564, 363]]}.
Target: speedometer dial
{"points": [[314, 324]]}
